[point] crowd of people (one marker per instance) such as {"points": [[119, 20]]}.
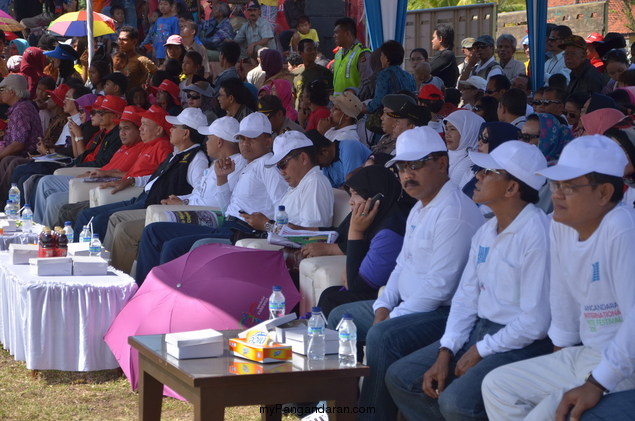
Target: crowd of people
{"points": [[495, 214]]}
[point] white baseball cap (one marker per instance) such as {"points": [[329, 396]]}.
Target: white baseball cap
{"points": [[224, 127], [520, 159], [417, 143], [285, 143], [190, 117], [254, 125], [587, 154], [476, 81]]}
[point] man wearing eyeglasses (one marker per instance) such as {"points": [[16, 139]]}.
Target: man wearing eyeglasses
{"points": [[592, 296], [499, 313], [271, 106], [412, 311], [584, 77], [555, 64], [486, 66]]}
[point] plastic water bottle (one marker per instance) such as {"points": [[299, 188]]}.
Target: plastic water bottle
{"points": [[68, 230], [282, 218], [94, 248], [27, 219], [85, 236], [276, 303], [317, 345], [11, 210], [14, 193], [347, 332]]}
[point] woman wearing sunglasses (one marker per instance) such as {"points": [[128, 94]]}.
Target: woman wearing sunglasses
{"points": [[199, 95], [545, 131]]}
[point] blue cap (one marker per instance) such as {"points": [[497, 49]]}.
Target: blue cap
{"points": [[63, 52]]}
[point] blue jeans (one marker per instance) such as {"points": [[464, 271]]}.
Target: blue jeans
{"points": [[48, 186], [387, 342], [101, 214], [612, 407], [461, 399], [363, 316], [165, 241]]}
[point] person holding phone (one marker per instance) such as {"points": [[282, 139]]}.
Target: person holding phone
{"points": [[375, 236]]}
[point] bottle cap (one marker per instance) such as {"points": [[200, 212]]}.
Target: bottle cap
{"points": [[316, 310], [347, 316], [277, 288], [281, 207], [67, 223]]}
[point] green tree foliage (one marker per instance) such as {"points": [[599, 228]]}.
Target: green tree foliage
{"points": [[503, 5]]}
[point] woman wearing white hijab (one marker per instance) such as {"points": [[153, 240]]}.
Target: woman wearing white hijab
{"points": [[461, 135]]}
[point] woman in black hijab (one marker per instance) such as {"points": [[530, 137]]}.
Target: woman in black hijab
{"points": [[375, 236]]}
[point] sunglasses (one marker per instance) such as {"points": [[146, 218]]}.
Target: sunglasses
{"points": [[413, 165], [484, 140], [546, 101], [488, 171], [526, 137], [190, 96], [282, 165], [490, 92]]}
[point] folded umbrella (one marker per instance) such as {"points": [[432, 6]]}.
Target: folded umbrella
{"points": [[214, 286], [8, 23]]}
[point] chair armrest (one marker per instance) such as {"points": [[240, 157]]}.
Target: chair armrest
{"points": [[74, 171], [99, 197], [79, 191], [258, 243], [156, 213], [317, 274]]}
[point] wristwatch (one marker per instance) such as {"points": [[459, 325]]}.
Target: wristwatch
{"points": [[590, 379], [270, 225]]}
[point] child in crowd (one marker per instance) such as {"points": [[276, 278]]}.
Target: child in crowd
{"points": [[118, 14], [304, 31], [167, 24], [119, 62]]}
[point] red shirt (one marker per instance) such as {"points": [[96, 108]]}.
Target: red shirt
{"points": [[315, 117], [151, 155], [91, 156], [124, 158]]}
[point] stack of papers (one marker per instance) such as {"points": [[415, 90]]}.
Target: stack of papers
{"points": [[289, 237]]}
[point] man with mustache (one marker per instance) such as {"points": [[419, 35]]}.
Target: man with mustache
{"points": [[412, 311]]}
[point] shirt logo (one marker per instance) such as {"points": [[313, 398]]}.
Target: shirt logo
{"points": [[482, 254], [596, 272]]}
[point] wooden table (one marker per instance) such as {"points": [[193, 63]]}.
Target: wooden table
{"points": [[211, 384]]}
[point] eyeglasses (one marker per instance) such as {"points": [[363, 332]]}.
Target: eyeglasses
{"points": [[480, 46], [526, 137], [490, 92], [546, 101], [190, 96], [488, 171], [282, 165], [476, 108], [567, 189], [413, 165], [484, 140]]}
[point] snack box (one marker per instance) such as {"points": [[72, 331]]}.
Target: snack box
{"points": [[205, 343], [81, 249], [263, 354], [21, 253], [298, 338], [246, 367], [89, 266], [51, 266], [267, 325]]}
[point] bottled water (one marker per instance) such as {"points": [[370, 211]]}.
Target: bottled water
{"points": [[347, 332], [282, 218], [27, 219], [68, 230], [85, 236], [11, 210], [317, 345], [276, 303], [14, 194], [94, 248]]}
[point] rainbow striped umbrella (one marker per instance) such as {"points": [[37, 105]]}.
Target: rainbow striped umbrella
{"points": [[74, 24], [8, 23]]}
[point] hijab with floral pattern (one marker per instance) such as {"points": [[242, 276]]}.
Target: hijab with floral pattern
{"points": [[553, 136]]}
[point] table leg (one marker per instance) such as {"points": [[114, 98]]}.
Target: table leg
{"points": [[270, 413], [150, 395], [347, 398], [208, 405]]}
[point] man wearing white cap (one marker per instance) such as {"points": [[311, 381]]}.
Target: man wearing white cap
{"points": [[309, 199], [124, 233], [592, 294], [412, 311], [471, 89], [258, 189], [500, 311]]}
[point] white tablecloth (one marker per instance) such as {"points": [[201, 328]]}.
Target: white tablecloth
{"points": [[58, 322]]}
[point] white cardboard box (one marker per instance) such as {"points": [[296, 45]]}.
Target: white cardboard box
{"points": [[81, 249], [89, 266], [51, 266], [203, 343], [298, 339], [21, 253]]}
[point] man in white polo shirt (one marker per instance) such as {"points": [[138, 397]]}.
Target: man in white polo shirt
{"points": [[592, 294], [500, 311], [412, 311]]}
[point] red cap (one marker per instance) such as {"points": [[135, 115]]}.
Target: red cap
{"points": [[430, 92], [98, 102], [3, 124], [172, 89], [594, 37], [59, 94], [158, 114], [132, 113], [113, 104], [9, 36]]}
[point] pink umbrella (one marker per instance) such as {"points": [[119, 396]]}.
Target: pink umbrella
{"points": [[214, 286]]}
